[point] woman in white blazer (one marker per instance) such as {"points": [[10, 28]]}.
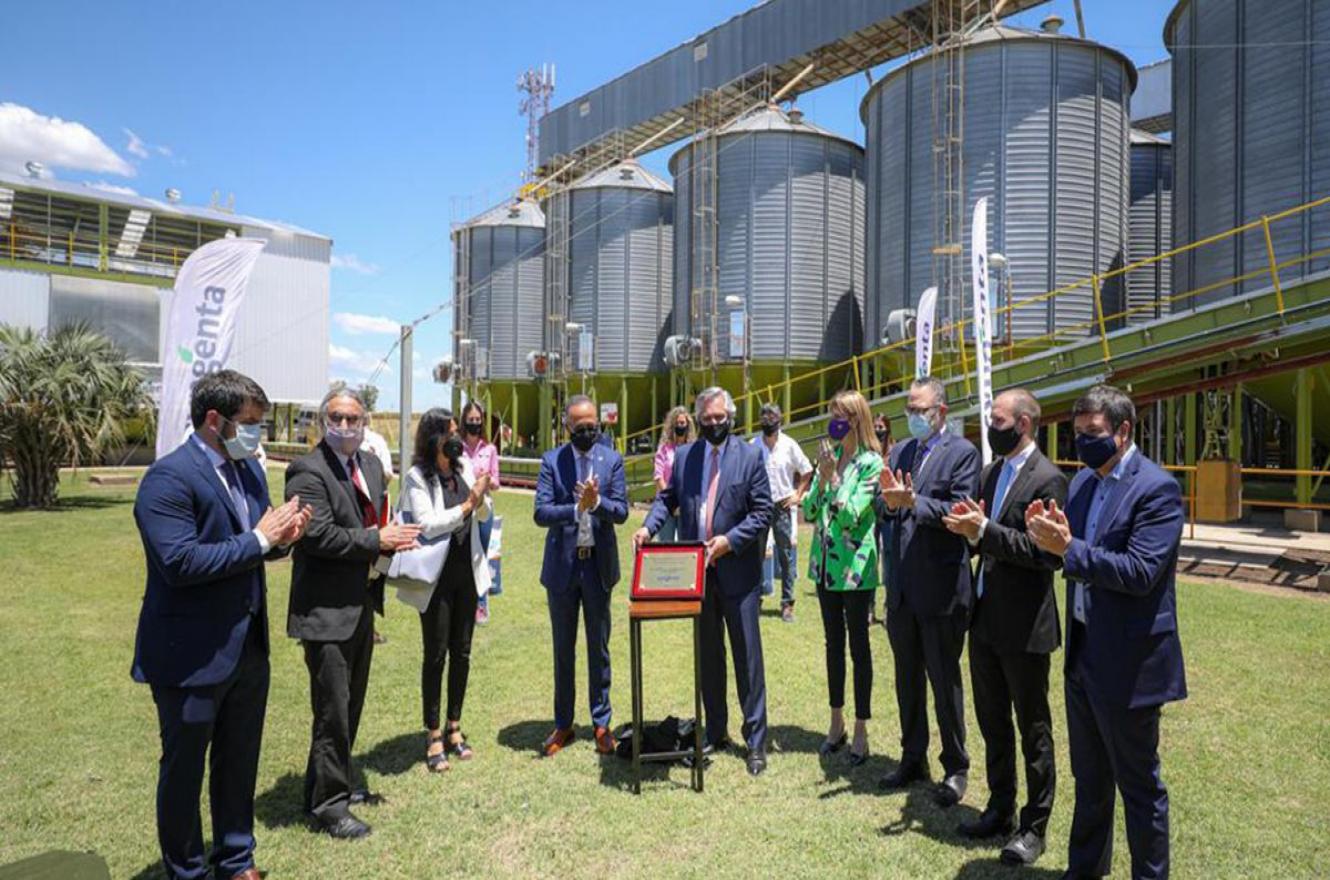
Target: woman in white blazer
{"points": [[449, 502]]}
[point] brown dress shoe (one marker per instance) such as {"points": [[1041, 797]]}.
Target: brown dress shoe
{"points": [[555, 742], [248, 874], [605, 741]]}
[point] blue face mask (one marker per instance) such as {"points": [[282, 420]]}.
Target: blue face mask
{"points": [[245, 443], [920, 427]]}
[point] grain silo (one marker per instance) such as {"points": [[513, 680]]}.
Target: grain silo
{"points": [[1150, 226], [619, 252], [1045, 126], [1251, 120], [498, 268], [788, 242]]}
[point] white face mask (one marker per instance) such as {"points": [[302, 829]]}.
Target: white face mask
{"points": [[245, 443], [344, 440]]}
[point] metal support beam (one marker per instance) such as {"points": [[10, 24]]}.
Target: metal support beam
{"points": [[1189, 439], [1302, 432], [404, 401], [1234, 452]]}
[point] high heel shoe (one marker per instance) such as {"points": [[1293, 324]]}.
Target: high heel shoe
{"points": [[829, 747], [436, 762]]}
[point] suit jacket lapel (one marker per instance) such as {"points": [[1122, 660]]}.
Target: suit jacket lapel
{"points": [[253, 491], [1078, 505], [1117, 491], [337, 470], [214, 482], [568, 469]]}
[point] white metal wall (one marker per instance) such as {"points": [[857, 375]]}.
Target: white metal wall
{"points": [[25, 298]]}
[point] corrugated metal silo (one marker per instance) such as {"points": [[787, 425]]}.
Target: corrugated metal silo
{"points": [[500, 255], [1251, 110], [620, 252], [1045, 138], [790, 237], [1150, 224]]}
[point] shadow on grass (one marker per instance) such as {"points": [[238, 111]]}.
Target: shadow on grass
{"points": [[617, 773], [282, 805], [992, 867], [395, 756], [921, 815], [154, 871], [527, 736], [68, 504]]}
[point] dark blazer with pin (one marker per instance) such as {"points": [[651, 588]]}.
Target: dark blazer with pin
{"points": [[932, 566], [330, 583], [556, 510], [1018, 611], [1130, 653]]}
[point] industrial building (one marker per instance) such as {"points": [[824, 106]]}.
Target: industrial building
{"points": [[1166, 229], [75, 253]]}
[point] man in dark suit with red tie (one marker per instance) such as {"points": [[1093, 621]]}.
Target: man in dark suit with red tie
{"points": [[1118, 540], [202, 640], [331, 609], [1014, 627]]}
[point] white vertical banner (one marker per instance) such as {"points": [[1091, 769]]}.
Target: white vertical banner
{"points": [[201, 327], [983, 321], [923, 334]]}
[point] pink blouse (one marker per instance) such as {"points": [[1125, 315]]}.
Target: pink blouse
{"points": [[484, 458], [665, 460]]}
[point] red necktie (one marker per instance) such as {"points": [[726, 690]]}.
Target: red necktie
{"points": [[712, 485], [368, 516]]}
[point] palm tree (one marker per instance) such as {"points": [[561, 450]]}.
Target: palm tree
{"points": [[64, 400]]}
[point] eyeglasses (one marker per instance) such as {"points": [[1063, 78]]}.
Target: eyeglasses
{"points": [[348, 421], [918, 410]]}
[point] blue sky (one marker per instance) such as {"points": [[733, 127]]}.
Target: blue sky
{"points": [[376, 124]]}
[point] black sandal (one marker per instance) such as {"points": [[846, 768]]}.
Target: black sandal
{"points": [[436, 763], [461, 750]]}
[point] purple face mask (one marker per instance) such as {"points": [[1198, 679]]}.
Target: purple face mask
{"points": [[838, 428]]}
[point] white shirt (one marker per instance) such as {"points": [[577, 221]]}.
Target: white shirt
{"points": [[1080, 603], [238, 501], [786, 463], [375, 443]]}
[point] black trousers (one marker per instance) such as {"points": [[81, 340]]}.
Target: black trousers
{"points": [[847, 611], [1115, 747], [928, 651], [1004, 683], [224, 724], [446, 628], [338, 676]]}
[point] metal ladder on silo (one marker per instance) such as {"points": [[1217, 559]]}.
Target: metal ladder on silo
{"points": [[556, 294]]}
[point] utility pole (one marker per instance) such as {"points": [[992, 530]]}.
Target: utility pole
{"points": [[404, 401]]}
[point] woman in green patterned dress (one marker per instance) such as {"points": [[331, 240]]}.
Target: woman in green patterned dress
{"points": [[844, 563]]}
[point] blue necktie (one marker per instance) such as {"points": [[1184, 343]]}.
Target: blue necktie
{"points": [[1004, 481], [232, 477]]}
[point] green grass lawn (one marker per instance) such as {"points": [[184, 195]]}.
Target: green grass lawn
{"points": [[1247, 758]]}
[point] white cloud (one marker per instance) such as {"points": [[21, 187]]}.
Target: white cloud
{"points": [[26, 135], [136, 146], [104, 186], [344, 362], [352, 263], [358, 325], [164, 151]]}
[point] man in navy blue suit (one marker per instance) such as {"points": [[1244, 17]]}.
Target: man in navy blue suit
{"points": [[720, 494], [930, 597], [202, 642], [1118, 540], [580, 497]]}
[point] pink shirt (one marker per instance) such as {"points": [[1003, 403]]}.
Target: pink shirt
{"points": [[484, 458], [665, 460]]}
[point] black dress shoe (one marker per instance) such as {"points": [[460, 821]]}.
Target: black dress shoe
{"points": [[757, 762], [990, 823], [906, 773], [950, 790], [1073, 875], [1023, 849], [366, 797], [344, 827], [721, 745]]}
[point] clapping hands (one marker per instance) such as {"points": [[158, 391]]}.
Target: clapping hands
{"points": [[587, 493], [1048, 527], [966, 519], [285, 524], [897, 489]]}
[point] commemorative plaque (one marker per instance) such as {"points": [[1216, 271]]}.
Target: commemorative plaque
{"points": [[670, 571]]}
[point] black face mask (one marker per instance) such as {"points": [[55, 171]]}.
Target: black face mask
{"points": [[770, 428], [1003, 440], [584, 437], [452, 448], [681, 430], [883, 437], [473, 428], [716, 434]]}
